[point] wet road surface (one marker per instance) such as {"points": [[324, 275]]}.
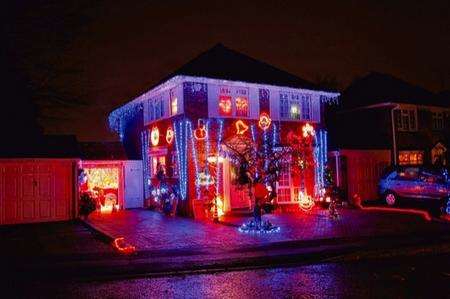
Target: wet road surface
{"points": [[417, 277]]}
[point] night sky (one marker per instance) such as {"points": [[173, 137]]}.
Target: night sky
{"points": [[91, 57]]}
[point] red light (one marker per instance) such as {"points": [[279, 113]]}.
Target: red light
{"points": [[119, 244], [169, 135], [154, 136], [241, 127], [264, 121], [423, 214]]}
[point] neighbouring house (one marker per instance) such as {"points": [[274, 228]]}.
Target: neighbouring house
{"points": [[382, 121], [180, 126]]}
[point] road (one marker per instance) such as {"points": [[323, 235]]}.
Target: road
{"points": [[412, 277]]}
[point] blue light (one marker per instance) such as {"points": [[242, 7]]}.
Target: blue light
{"points": [[194, 157], [180, 130], [219, 142]]}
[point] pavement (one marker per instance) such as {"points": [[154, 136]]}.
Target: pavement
{"points": [[153, 231]]}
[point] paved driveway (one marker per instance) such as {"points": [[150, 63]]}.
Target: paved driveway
{"points": [[149, 230]]}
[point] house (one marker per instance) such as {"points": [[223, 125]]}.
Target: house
{"points": [[381, 121], [181, 124]]}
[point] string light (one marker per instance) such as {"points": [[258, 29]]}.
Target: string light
{"points": [[219, 165], [194, 157], [181, 129]]}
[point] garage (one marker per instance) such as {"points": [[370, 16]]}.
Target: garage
{"points": [[112, 184], [37, 190]]}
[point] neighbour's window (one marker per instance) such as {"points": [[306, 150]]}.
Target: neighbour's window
{"points": [[438, 120], [407, 120], [410, 157]]}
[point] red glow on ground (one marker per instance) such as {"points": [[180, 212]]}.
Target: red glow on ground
{"points": [[425, 215], [119, 244]]}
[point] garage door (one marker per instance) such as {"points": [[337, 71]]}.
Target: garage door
{"points": [[36, 190]]}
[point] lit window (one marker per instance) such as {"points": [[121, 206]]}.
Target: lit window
{"points": [[158, 162], [225, 105], [242, 106], [410, 158], [438, 120], [173, 106], [407, 120], [295, 110]]}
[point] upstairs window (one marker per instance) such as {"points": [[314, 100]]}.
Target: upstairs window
{"points": [[151, 111], [242, 106], [224, 105], [438, 120], [284, 105], [173, 103], [306, 107], [295, 106], [407, 120]]}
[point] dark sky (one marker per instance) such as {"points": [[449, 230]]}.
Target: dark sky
{"points": [[95, 56]]}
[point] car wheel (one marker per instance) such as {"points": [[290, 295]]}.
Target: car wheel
{"points": [[391, 199]]}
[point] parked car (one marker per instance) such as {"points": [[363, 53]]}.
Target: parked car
{"points": [[416, 183]]}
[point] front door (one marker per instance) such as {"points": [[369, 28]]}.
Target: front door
{"points": [[239, 197]]}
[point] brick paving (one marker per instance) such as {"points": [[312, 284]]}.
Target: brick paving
{"points": [[149, 230]]}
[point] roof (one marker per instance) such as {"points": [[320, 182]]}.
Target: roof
{"points": [[220, 62], [376, 88]]}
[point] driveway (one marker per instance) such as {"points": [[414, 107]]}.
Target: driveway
{"points": [[152, 231]]}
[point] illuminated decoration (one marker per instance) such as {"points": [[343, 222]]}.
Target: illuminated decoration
{"points": [[103, 178], [305, 202], [220, 158], [169, 135], [241, 127], [295, 111], [145, 161], [320, 159], [120, 245], [225, 105], [215, 159], [194, 157], [119, 118], [154, 136], [200, 133], [275, 137], [241, 106], [264, 227], [108, 208], [181, 130], [264, 121], [308, 130], [219, 204], [205, 179]]}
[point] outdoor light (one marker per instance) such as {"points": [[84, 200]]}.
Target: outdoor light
{"points": [[154, 136], [241, 127], [169, 135], [264, 121]]}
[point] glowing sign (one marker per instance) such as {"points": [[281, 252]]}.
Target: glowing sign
{"points": [[308, 130], [241, 127], [154, 136], [200, 133], [169, 135], [225, 105], [264, 121]]}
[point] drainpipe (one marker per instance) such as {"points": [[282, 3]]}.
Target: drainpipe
{"points": [[394, 135]]}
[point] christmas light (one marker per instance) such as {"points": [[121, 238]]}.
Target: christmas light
{"points": [[219, 157], [241, 127], [305, 202], [181, 134], [120, 245], [200, 133], [169, 135], [308, 130], [195, 159], [264, 121], [225, 105], [154, 136]]}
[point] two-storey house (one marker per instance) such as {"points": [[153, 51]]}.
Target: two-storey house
{"points": [[181, 123]]}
